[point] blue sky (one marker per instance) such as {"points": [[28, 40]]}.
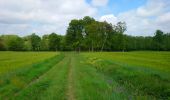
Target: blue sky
{"points": [[24, 17], [118, 6]]}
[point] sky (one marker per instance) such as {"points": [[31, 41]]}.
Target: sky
{"points": [[23, 17]]}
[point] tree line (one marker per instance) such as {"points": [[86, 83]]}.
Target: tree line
{"points": [[87, 34]]}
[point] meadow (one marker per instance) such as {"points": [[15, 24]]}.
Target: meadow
{"points": [[13, 60], [142, 75]]}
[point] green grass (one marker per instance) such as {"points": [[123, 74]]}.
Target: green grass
{"points": [[91, 84], [14, 81], [155, 60], [141, 75], [12, 60], [50, 86]]}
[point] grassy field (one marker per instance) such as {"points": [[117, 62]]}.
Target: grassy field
{"points": [[135, 74], [86, 76], [13, 60]]}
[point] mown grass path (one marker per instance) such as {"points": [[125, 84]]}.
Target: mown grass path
{"points": [[70, 91], [70, 79]]}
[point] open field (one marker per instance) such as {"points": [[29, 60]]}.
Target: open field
{"points": [[86, 76], [141, 74], [12, 60]]}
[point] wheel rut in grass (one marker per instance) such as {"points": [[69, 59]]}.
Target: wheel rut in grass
{"points": [[70, 91]]}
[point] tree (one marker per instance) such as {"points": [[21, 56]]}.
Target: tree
{"points": [[87, 43], [2, 45], [54, 42], [120, 28], [27, 43], [16, 44], [12, 42], [107, 35], [158, 39], [88, 34], [88, 20], [74, 36], [166, 41], [92, 35], [35, 42], [45, 43]]}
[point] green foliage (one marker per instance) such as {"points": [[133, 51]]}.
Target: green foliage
{"points": [[54, 42], [35, 42], [45, 43], [158, 39], [27, 43], [2, 45], [74, 35], [11, 42], [16, 44], [166, 41]]}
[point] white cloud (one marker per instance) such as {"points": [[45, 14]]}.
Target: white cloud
{"points": [[109, 18], [41, 16], [164, 18], [100, 2], [152, 8], [45, 16], [146, 19]]}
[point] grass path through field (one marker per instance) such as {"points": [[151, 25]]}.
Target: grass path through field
{"points": [[70, 79], [70, 91]]}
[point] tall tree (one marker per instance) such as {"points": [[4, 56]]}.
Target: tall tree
{"points": [[158, 39], [54, 42], [16, 44], [92, 35], [35, 42], [12, 42], [45, 43], [27, 43], [107, 34], [74, 34], [167, 41], [2, 44], [120, 28]]}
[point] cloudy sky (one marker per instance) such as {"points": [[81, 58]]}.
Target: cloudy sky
{"points": [[23, 17]]}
